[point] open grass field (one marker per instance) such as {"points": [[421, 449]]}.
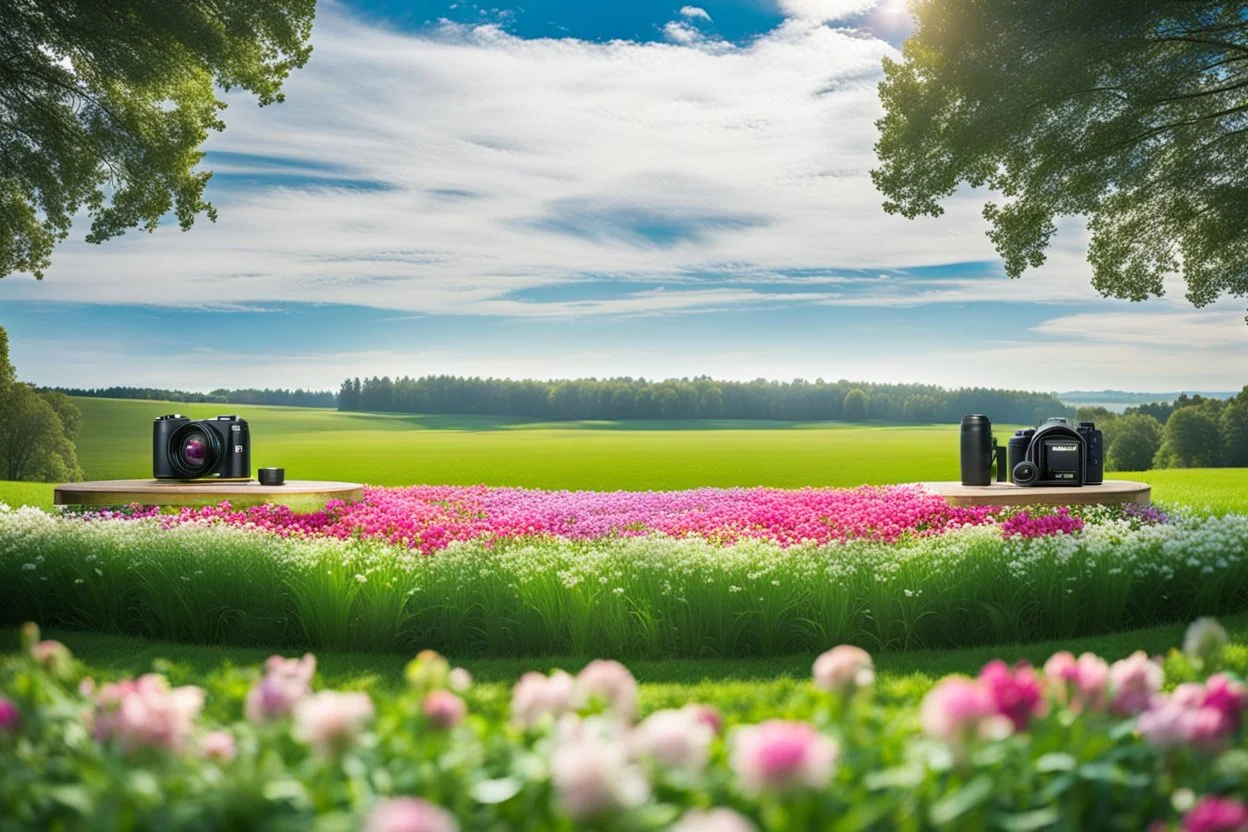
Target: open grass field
{"points": [[382, 449]]}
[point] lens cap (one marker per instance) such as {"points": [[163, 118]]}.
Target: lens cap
{"points": [[272, 476]]}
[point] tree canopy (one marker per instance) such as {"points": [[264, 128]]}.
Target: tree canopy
{"points": [[37, 429], [104, 105], [1132, 115]]}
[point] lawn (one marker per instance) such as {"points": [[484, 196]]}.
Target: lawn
{"points": [[383, 449]]}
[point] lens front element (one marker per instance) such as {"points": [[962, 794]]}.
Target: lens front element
{"points": [[194, 451]]}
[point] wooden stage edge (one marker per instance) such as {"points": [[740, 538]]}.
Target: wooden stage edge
{"points": [[1111, 492], [303, 494]]}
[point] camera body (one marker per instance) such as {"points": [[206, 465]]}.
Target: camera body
{"points": [[1057, 453], [192, 449]]}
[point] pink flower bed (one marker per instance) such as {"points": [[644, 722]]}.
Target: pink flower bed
{"points": [[431, 517]]}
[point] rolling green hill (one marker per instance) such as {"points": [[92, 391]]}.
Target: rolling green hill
{"points": [[385, 449]]}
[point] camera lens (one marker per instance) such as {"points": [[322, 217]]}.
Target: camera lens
{"points": [[194, 451], [1026, 473]]}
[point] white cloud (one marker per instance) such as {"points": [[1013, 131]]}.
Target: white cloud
{"points": [[678, 32], [694, 13], [825, 10], [751, 160]]}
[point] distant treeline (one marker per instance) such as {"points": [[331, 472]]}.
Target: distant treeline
{"points": [[695, 398], [291, 398], [1190, 432]]}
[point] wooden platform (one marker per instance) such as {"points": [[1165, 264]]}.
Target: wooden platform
{"points": [[303, 495], [1111, 492]]}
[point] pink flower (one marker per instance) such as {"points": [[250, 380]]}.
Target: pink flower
{"points": [[591, 770], [844, 670], [330, 721], [1135, 682], [707, 715], [1082, 684], [443, 709], [537, 698], [284, 683], [53, 656], [958, 709], [1226, 696], [675, 739], [778, 755], [714, 820], [1016, 694], [146, 714], [612, 684], [218, 746], [410, 814], [1217, 814], [10, 717], [1195, 715]]}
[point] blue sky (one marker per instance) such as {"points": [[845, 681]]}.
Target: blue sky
{"points": [[555, 189]]}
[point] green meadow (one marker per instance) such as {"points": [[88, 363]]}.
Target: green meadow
{"points": [[387, 449]]}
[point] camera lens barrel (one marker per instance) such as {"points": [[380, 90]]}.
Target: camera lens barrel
{"points": [[272, 476], [977, 448]]}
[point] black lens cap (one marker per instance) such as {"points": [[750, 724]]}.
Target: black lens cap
{"points": [[272, 476]]}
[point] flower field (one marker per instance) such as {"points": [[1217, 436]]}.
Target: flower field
{"points": [[510, 572], [1079, 743]]}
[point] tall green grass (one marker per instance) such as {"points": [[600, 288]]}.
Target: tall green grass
{"points": [[631, 597]]}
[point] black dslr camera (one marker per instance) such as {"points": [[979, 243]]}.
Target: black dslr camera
{"points": [[186, 449], [1057, 453]]}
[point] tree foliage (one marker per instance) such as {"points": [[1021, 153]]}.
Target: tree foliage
{"points": [[1192, 440], [37, 429], [1131, 114], [1136, 440], [693, 398], [105, 103]]}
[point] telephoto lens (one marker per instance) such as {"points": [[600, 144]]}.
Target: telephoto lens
{"points": [[977, 448], [272, 476]]}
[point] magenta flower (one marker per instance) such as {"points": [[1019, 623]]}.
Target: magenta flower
{"points": [[1016, 693], [410, 814], [285, 682], [707, 715], [844, 670], [780, 756], [1135, 682], [1217, 814], [10, 717], [1025, 525], [443, 709], [959, 709], [1082, 684]]}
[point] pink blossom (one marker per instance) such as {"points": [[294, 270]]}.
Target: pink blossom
{"points": [[591, 770], [778, 755], [10, 717], [53, 656], [459, 680], [1135, 682], [713, 820], [611, 683], [330, 721], [844, 670], [218, 746], [1082, 684], [674, 739], [1026, 525], [443, 709], [410, 814], [430, 518], [707, 715], [1203, 716], [284, 683], [958, 709], [146, 714], [1228, 697], [1217, 814], [537, 698], [1016, 693]]}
